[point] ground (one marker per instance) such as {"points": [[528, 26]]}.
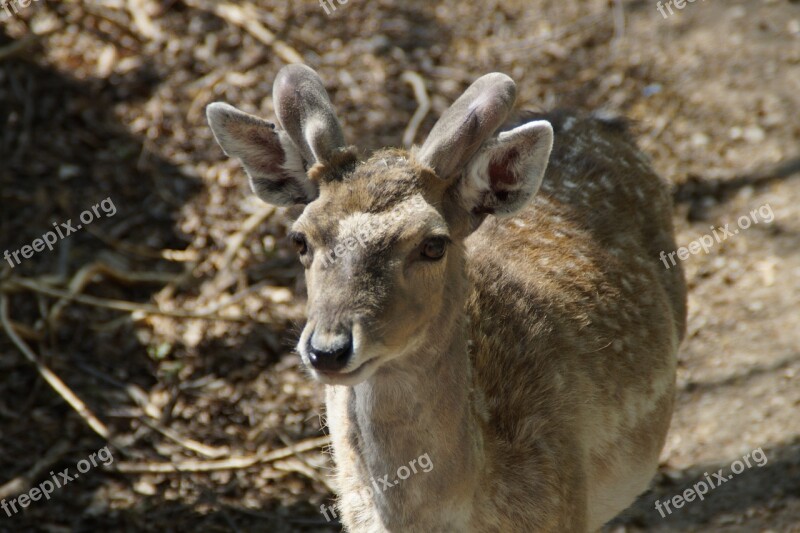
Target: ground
{"points": [[171, 314]]}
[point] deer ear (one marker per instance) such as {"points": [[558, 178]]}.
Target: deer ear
{"points": [[269, 156], [466, 124], [505, 173]]}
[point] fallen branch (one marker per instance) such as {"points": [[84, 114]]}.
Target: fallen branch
{"points": [[305, 467], [189, 444], [232, 463], [25, 331], [21, 483], [52, 379], [87, 273], [138, 310]]}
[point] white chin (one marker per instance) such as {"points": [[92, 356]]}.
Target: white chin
{"points": [[349, 379]]}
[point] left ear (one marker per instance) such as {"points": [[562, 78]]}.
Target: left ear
{"points": [[505, 173]]}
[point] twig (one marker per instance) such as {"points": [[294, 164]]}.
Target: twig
{"points": [[236, 240], [53, 380], [306, 469], [246, 17], [189, 444], [179, 256], [232, 463], [237, 297], [20, 483], [18, 47], [302, 468], [119, 21], [25, 331], [223, 274], [142, 20], [424, 105], [138, 310], [84, 277], [202, 91], [149, 415]]}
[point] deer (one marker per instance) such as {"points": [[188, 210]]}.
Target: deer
{"points": [[496, 304]]}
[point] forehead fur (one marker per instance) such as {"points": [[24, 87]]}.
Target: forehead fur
{"points": [[378, 184]]}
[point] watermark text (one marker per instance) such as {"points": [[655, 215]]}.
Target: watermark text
{"points": [[701, 488], [705, 242], [382, 484], [47, 487], [62, 231]]}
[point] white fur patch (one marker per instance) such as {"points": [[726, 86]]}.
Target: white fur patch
{"points": [[533, 143]]}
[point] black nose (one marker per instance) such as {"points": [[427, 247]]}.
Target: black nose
{"points": [[332, 358]]}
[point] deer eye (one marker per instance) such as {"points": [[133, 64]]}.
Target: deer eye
{"points": [[433, 248], [300, 243]]}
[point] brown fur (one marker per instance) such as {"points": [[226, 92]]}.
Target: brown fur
{"points": [[513, 324], [543, 371]]}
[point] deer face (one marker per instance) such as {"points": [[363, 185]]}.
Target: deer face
{"points": [[378, 249], [382, 240]]}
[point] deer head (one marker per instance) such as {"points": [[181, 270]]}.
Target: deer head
{"points": [[382, 239]]}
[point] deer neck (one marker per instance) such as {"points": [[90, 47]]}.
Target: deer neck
{"points": [[420, 404]]}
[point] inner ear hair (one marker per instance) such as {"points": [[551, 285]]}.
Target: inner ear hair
{"points": [[508, 170]]}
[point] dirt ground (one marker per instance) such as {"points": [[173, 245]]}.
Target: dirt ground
{"points": [[172, 316]]}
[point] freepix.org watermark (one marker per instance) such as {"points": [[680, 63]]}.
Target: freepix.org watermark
{"points": [[705, 242], [12, 7], [47, 487], [664, 7], [384, 483], [368, 229], [701, 488], [330, 5], [62, 231]]}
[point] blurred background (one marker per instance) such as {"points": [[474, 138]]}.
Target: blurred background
{"points": [[165, 330]]}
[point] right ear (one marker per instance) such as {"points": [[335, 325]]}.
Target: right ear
{"points": [[276, 158], [269, 156]]}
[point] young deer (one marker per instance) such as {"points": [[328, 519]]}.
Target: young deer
{"points": [[526, 343]]}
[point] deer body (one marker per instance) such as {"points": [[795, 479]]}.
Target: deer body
{"points": [[525, 342]]}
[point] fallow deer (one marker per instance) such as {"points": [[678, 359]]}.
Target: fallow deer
{"points": [[504, 311]]}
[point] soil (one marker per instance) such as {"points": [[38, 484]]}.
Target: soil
{"points": [[189, 298]]}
